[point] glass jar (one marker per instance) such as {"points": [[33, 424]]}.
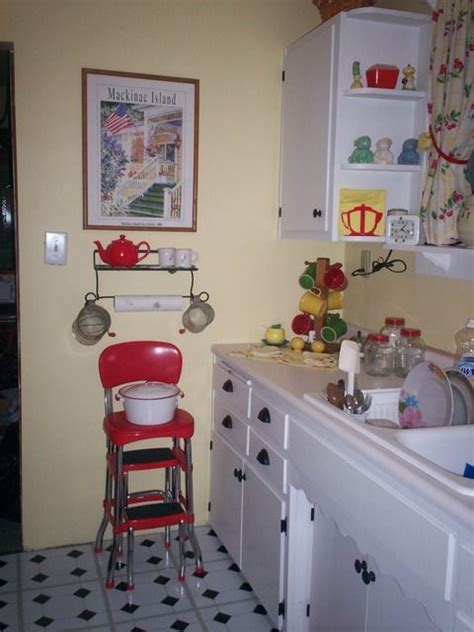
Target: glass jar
{"points": [[409, 352], [378, 355], [464, 358], [392, 329]]}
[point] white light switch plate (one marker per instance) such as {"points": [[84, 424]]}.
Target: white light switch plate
{"points": [[55, 249]]}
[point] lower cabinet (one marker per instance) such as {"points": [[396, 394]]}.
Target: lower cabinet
{"points": [[263, 541], [226, 496], [349, 594], [248, 517]]}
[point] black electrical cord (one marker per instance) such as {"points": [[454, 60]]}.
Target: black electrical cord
{"points": [[383, 264]]}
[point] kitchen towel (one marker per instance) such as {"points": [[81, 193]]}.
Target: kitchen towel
{"points": [[148, 303]]}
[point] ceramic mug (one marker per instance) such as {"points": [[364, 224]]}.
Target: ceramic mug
{"points": [[301, 324], [334, 330], [334, 278], [311, 303], [185, 257], [306, 279], [335, 300], [167, 257]]}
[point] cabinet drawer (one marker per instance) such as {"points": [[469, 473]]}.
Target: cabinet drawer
{"points": [[268, 421], [232, 389], [230, 426], [267, 462]]}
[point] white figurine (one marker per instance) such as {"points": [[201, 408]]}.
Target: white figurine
{"points": [[383, 155]]}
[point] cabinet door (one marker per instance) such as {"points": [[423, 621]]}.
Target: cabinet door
{"points": [[389, 610], [338, 594], [263, 541], [226, 496], [306, 151]]}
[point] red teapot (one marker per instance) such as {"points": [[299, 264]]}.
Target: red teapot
{"points": [[122, 253]]}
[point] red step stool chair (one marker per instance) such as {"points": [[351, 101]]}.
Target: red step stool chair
{"points": [[122, 364]]}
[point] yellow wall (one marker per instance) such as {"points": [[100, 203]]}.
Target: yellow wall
{"points": [[234, 48], [438, 306]]}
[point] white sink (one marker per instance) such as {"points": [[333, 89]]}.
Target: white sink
{"points": [[449, 447], [442, 453]]}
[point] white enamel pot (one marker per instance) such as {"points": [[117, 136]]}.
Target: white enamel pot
{"points": [[149, 403]]}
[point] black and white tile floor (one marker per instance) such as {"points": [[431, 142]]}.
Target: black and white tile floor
{"points": [[62, 589]]}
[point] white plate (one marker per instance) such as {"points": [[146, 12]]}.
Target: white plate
{"points": [[426, 398], [463, 397]]}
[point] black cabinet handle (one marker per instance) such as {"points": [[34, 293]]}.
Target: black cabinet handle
{"points": [[263, 458], [228, 387], [317, 212], [360, 566], [264, 416], [227, 422], [239, 475], [366, 576]]}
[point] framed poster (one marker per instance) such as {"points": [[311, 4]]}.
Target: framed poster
{"points": [[140, 151]]}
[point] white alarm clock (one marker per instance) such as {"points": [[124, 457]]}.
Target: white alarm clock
{"points": [[402, 229]]}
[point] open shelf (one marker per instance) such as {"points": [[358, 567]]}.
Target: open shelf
{"points": [[383, 93], [372, 166], [433, 250]]}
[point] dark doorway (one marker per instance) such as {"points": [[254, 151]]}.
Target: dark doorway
{"points": [[10, 503]]}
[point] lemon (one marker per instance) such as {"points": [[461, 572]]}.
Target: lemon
{"points": [[297, 343], [318, 346]]}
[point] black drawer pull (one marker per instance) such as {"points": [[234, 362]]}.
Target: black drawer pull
{"points": [[360, 566], [317, 212], [239, 475], [263, 458], [228, 387], [264, 416], [227, 422], [368, 576]]}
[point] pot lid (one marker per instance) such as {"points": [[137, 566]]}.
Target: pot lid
{"points": [[149, 390]]}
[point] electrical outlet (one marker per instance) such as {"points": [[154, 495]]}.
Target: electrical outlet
{"points": [[55, 249], [365, 262]]}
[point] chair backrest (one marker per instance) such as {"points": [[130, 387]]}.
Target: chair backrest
{"points": [[140, 361]]}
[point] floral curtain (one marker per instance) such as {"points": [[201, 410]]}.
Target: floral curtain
{"points": [[451, 120]]}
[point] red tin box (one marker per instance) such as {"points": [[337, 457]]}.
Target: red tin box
{"points": [[382, 76]]}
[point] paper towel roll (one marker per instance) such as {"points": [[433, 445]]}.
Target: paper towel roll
{"points": [[148, 303]]}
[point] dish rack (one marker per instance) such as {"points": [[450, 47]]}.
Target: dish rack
{"points": [[384, 403]]}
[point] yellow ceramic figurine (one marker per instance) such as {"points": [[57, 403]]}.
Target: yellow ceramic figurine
{"points": [[408, 81]]}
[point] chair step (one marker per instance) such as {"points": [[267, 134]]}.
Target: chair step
{"points": [[144, 459], [150, 516], [149, 455]]}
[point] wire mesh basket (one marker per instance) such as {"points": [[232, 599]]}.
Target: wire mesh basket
{"points": [[330, 8]]}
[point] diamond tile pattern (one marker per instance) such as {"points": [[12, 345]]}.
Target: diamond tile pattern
{"points": [[64, 589]]}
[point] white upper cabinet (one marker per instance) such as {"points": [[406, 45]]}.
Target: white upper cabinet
{"points": [[322, 116]]}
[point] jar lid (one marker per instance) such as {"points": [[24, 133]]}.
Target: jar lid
{"points": [[378, 337], [408, 332], [149, 390], [394, 320]]}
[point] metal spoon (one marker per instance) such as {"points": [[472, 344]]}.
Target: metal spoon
{"points": [[349, 403], [358, 400]]}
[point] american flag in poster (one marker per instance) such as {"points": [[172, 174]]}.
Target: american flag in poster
{"points": [[118, 120]]}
